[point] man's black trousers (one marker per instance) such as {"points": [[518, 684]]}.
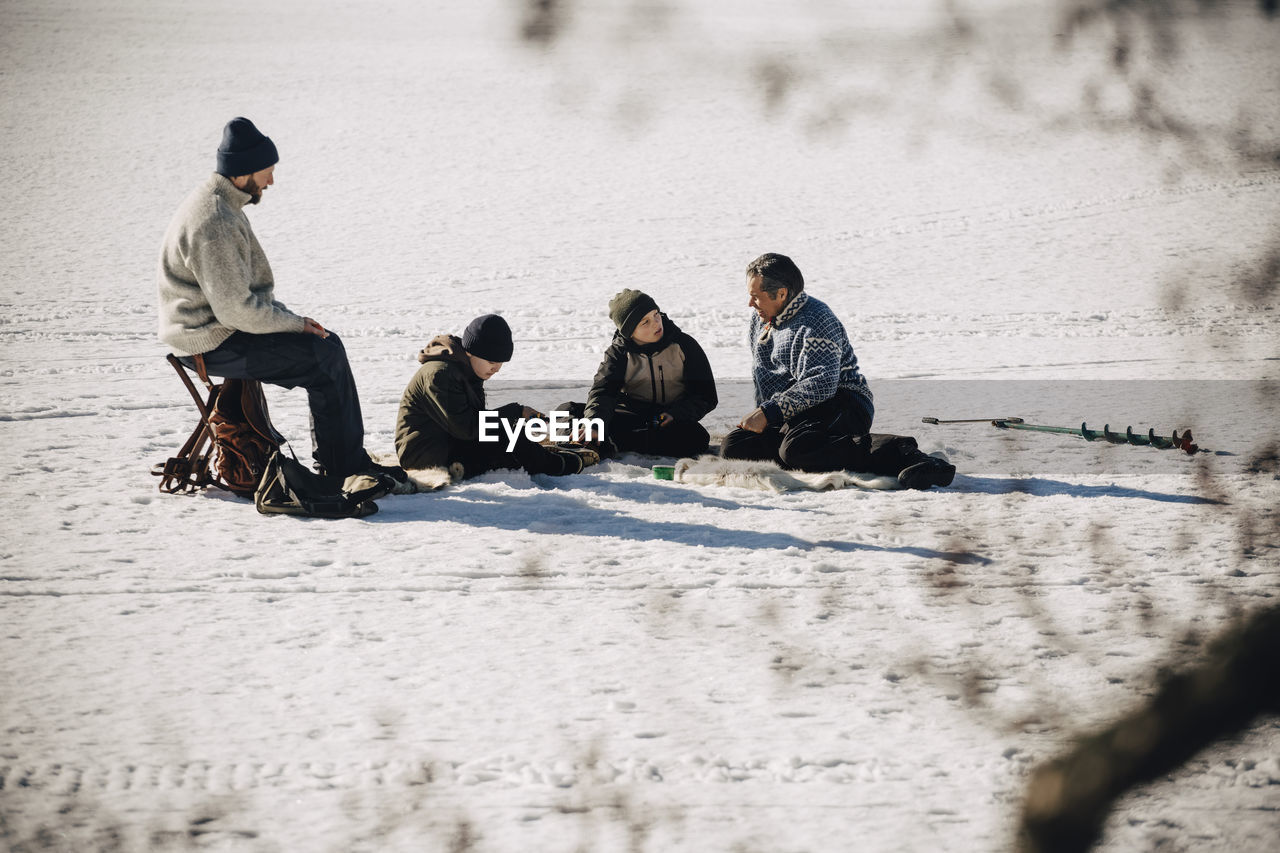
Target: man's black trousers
{"points": [[303, 361]]}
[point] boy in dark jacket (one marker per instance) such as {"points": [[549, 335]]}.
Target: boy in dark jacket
{"points": [[439, 422], [653, 385]]}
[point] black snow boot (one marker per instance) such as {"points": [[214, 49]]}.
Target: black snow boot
{"points": [[928, 472], [574, 457]]}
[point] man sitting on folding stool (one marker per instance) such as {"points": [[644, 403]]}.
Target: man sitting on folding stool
{"points": [[217, 300]]}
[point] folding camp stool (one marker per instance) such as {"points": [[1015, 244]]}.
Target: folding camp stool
{"points": [[189, 470]]}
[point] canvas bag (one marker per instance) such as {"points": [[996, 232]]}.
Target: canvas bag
{"points": [[287, 487]]}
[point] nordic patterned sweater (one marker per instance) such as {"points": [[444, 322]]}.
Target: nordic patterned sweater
{"points": [[801, 358], [214, 278]]}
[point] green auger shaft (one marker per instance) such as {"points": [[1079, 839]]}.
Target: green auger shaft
{"points": [[1174, 442]]}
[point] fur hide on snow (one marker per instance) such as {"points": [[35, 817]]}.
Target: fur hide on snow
{"points": [[429, 479], [768, 476], [421, 479]]}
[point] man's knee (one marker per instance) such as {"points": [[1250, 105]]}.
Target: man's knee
{"points": [[329, 349], [731, 445], [796, 458], [814, 451], [330, 358], [744, 444]]}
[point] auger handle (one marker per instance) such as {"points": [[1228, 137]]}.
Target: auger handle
{"points": [[973, 421]]}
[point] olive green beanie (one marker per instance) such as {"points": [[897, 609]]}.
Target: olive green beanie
{"points": [[628, 307]]}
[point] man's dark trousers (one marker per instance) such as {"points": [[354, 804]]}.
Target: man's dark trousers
{"points": [[293, 360], [830, 436]]}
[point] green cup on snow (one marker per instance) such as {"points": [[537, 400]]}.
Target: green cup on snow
{"points": [[664, 472]]}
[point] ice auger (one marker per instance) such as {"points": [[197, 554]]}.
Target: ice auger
{"points": [[1175, 441]]}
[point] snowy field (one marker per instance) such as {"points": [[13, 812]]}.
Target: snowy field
{"points": [[609, 662]]}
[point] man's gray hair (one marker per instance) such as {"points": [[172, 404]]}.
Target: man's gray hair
{"points": [[776, 272]]}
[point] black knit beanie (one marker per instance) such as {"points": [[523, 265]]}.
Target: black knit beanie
{"points": [[488, 337], [244, 150], [628, 307]]}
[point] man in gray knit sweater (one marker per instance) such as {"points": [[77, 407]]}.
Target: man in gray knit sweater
{"points": [[217, 299]]}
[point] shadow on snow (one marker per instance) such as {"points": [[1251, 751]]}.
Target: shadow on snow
{"points": [[1041, 487], [548, 511]]}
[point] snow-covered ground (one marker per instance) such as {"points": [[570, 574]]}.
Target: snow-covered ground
{"points": [[610, 662]]}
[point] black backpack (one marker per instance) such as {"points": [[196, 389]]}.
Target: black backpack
{"points": [[287, 487]]}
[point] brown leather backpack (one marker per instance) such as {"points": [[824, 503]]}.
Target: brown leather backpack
{"points": [[243, 437], [230, 446]]}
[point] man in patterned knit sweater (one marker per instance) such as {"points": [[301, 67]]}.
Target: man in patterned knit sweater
{"points": [[217, 300], [813, 407]]}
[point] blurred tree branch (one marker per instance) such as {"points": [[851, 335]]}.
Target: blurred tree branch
{"points": [[1069, 798]]}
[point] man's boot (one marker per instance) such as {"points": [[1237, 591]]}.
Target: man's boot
{"points": [[928, 472]]}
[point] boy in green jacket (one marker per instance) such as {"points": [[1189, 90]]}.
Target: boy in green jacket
{"points": [[443, 415]]}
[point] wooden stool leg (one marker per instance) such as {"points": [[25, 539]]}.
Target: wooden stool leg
{"points": [[189, 470]]}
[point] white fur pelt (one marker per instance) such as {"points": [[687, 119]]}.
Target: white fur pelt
{"points": [[429, 479], [421, 479], [768, 476]]}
